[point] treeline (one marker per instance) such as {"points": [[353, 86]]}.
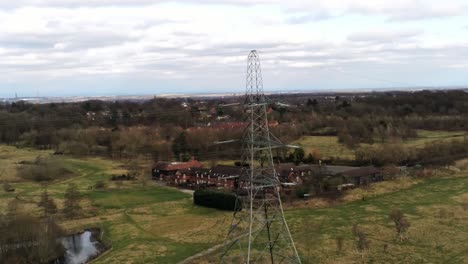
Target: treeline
{"points": [[28, 239], [167, 129], [435, 153], [375, 117]]}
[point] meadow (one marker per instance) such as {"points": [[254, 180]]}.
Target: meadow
{"points": [[329, 147], [154, 224]]}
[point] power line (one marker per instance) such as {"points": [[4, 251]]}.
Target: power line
{"points": [[258, 232]]}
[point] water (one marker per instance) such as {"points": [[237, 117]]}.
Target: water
{"points": [[79, 248]]}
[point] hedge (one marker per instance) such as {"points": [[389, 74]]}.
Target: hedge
{"points": [[213, 199]]}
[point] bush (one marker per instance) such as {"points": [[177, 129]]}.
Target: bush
{"points": [[219, 200], [43, 169], [74, 148], [302, 191], [401, 222], [362, 242], [8, 188], [100, 185]]}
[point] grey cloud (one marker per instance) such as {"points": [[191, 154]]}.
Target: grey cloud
{"points": [[383, 36], [248, 45], [301, 19], [24, 41], [71, 40], [412, 10], [96, 39], [100, 3], [427, 13]]}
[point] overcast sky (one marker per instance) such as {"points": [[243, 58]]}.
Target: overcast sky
{"points": [[104, 47]]}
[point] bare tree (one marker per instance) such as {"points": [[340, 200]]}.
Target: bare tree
{"points": [[401, 222], [47, 204], [27, 239], [144, 176], [339, 244], [72, 201], [362, 242]]}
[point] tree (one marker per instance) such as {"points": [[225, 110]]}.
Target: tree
{"points": [[339, 244], [72, 201], [298, 155], [47, 204], [26, 229], [312, 103], [14, 208], [310, 158], [362, 243], [179, 146], [401, 222], [144, 175]]}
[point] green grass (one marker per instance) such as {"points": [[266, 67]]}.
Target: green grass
{"points": [[150, 224], [426, 136], [431, 238], [130, 198], [154, 224], [326, 146], [10, 156]]}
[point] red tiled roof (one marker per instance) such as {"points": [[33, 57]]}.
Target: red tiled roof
{"points": [[172, 166]]}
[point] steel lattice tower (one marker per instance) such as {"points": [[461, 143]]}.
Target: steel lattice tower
{"points": [[258, 232]]}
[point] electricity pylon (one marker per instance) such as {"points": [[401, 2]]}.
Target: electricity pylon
{"points": [[258, 232]]}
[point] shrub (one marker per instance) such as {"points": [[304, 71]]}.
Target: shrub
{"points": [[302, 191], [339, 244], [47, 204], [100, 185], [8, 188], [43, 169], [401, 222], [219, 200], [71, 205], [362, 242]]}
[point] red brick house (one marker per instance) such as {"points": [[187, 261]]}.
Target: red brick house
{"points": [[161, 169]]}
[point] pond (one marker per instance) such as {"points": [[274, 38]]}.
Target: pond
{"points": [[80, 248]]}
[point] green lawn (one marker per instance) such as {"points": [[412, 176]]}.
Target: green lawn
{"points": [[131, 198]]}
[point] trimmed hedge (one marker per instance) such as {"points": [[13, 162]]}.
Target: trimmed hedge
{"points": [[213, 199]]}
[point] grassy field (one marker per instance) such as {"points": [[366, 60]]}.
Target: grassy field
{"points": [[425, 136], [434, 207], [437, 209], [328, 146], [10, 156], [153, 224], [146, 224]]}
